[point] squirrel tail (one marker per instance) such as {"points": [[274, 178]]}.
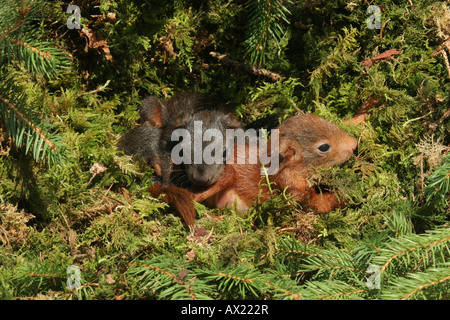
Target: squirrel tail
{"points": [[180, 198]]}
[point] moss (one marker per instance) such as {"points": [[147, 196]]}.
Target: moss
{"points": [[129, 245]]}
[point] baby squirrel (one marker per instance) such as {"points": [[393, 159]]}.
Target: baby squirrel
{"points": [[152, 140], [194, 142], [144, 141], [193, 112], [305, 142], [309, 142]]}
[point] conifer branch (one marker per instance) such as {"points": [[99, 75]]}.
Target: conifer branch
{"points": [[329, 289], [432, 283], [37, 130], [43, 54], [21, 44], [292, 295], [438, 184], [26, 130], [425, 286], [264, 17], [156, 276], [424, 249]]}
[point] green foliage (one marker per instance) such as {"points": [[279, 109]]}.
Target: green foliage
{"points": [[23, 43], [93, 210], [271, 99], [27, 128], [438, 184], [264, 24], [343, 54]]}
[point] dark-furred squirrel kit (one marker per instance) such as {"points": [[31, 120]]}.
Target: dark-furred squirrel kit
{"points": [[185, 140]]}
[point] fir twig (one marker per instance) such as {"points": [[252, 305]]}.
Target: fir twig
{"points": [[409, 251], [264, 17], [38, 131]]}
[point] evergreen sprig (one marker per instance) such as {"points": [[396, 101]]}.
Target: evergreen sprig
{"points": [[332, 290], [33, 277], [413, 266], [438, 184], [414, 252], [241, 279], [431, 284], [167, 280], [27, 129], [265, 19], [22, 42]]}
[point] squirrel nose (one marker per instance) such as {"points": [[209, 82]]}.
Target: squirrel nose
{"points": [[199, 177], [351, 145]]}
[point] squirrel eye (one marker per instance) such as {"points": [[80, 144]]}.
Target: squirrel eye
{"points": [[324, 148]]}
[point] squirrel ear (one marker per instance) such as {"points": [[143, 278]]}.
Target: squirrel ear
{"points": [[233, 123], [288, 150], [181, 121], [150, 111]]}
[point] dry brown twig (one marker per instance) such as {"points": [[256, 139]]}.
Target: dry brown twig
{"points": [[382, 28], [255, 70], [386, 55], [441, 51], [442, 21]]}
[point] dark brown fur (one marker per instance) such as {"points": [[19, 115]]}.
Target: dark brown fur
{"points": [[158, 120]]}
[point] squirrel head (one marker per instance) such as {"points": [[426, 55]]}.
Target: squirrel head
{"points": [[313, 142], [208, 148]]}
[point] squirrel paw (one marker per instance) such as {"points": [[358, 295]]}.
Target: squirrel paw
{"points": [[326, 202]]}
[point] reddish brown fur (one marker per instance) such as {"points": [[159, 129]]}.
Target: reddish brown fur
{"points": [[151, 112], [300, 136], [180, 198], [240, 182]]}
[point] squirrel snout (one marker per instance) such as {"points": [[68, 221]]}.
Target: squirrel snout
{"points": [[353, 144], [201, 177], [350, 146]]}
